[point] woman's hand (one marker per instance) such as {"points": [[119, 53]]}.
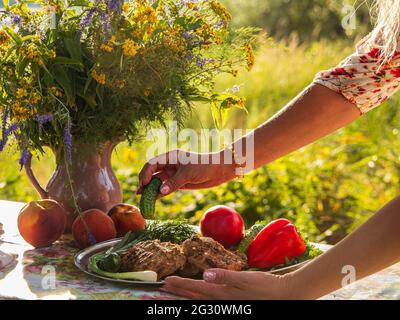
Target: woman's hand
{"points": [[185, 170], [219, 284]]}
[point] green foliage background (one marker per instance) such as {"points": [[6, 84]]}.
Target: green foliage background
{"points": [[328, 188]]}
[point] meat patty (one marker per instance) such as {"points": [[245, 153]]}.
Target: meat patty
{"points": [[165, 258], [205, 253]]}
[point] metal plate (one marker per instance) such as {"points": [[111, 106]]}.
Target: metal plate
{"points": [[81, 261]]}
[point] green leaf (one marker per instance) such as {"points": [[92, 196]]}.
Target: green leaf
{"points": [[74, 48], [89, 99], [21, 65], [6, 4], [63, 80], [66, 60], [17, 39], [87, 83]]}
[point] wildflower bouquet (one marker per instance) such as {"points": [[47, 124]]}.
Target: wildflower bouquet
{"points": [[96, 71]]}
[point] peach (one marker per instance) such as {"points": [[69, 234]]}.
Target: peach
{"points": [[42, 222], [100, 225], [126, 218]]}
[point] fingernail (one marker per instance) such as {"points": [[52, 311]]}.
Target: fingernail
{"points": [[164, 189], [209, 276]]}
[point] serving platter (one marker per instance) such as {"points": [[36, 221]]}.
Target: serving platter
{"points": [[81, 260]]}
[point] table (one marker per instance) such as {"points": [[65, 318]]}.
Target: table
{"points": [[49, 273]]}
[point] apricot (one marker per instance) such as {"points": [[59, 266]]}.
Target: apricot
{"points": [[100, 225], [126, 218], [42, 222]]}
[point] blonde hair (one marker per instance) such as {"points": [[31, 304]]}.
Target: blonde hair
{"points": [[386, 33]]}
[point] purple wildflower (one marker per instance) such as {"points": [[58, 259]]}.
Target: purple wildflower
{"points": [[221, 24], [68, 142], [201, 62], [235, 88], [114, 5], [25, 154], [186, 35], [4, 120], [16, 19], [106, 23], [4, 133], [43, 119], [87, 18], [189, 56]]}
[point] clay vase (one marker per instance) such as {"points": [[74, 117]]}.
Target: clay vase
{"points": [[89, 176]]}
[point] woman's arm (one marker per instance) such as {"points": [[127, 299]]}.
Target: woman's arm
{"points": [[314, 113], [372, 247]]}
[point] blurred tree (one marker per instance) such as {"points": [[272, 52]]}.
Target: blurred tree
{"points": [[308, 20]]}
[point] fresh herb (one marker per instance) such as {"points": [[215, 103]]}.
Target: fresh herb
{"points": [[249, 236], [175, 231]]}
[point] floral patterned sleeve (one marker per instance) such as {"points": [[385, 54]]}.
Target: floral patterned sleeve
{"points": [[362, 79]]}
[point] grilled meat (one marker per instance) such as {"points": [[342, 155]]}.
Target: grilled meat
{"points": [[165, 258], [205, 253]]}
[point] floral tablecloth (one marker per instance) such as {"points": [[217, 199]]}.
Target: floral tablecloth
{"points": [[50, 273]]}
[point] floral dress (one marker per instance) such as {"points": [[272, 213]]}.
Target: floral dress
{"points": [[363, 79]]}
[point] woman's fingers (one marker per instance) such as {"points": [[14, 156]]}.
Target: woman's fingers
{"points": [[178, 285], [175, 182], [236, 279], [147, 172], [182, 292]]}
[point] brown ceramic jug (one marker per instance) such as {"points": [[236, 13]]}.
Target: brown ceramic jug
{"points": [[89, 175]]}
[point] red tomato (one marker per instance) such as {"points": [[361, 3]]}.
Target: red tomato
{"points": [[223, 224]]}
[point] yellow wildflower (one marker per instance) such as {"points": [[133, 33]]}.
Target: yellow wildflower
{"points": [[137, 33], [120, 84], [125, 7], [220, 10], [150, 29], [21, 93], [35, 98], [250, 58], [57, 92], [241, 103], [106, 47], [21, 112], [146, 92], [52, 53], [146, 14], [4, 39], [160, 9], [174, 40], [99, 77], [130, 48], [31, 51]]}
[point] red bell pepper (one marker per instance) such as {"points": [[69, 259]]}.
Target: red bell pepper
{"points": [[274, 244]]}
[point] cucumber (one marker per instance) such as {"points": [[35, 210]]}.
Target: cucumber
{"points": [[148, 198], [249, 236]]}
